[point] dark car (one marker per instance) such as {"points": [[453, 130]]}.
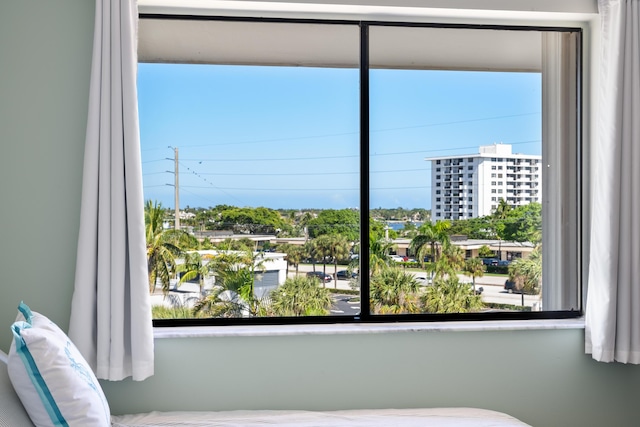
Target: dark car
{"points": [[503, 263], [490, 261], [345, 275], [319, 275], [510, 286]]}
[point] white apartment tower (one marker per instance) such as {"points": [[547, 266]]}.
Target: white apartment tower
{"points": [[470, 186]]}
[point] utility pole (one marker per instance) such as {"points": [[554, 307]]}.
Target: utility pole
{"points": [[176, 189]]}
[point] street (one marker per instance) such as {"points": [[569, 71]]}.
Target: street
{"points": [[493, 288]]}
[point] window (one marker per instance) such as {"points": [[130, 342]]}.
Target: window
{"points": [[287, 133]]}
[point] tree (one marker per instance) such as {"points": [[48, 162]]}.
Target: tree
{"points": [[338, 246], [299, 296], [253, 220], [451, 261], [451, 296], [485, 252], [163, 246], [474, 268], [430, 237], [394, 291], [330, 221], [193, 268], [527, 272], [235, 271], [379, 249]]}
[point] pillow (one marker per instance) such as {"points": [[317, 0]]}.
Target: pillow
{"points": [[11, 411], [54, 382]]}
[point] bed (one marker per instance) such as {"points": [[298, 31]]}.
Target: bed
{"points": [[445, 417], [45, 382]]}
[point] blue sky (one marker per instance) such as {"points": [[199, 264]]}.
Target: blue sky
{"points": [[288, 137]]}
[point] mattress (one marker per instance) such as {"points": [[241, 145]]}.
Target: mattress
{"points": [[445, 417]]}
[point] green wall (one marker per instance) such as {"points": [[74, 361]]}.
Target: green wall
{"points": [[542, 377]]}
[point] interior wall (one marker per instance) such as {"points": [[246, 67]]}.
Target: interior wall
{"points": [[45, 60], [542, 377]]}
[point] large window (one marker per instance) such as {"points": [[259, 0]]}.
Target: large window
{"points": [[315, 171]]}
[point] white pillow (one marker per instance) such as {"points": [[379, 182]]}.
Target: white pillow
{"points": [[54, 382]]}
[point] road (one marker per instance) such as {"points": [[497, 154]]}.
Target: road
{"points": [[493, 287]]}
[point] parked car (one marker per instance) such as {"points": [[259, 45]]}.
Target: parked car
{"points": [[345, 275], [319, 275], [510, 286], [490, 261], [396, 258], [503, 263]]}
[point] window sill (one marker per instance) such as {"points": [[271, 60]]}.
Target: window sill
{"points": [[368, 328]]}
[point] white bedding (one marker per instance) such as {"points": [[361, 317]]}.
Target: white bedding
{"points": [[444, 417]]}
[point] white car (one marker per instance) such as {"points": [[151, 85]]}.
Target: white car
{"points": [[396, 258]]}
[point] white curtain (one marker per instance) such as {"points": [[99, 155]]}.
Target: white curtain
{"points": [[111, 310], [613, 300]]}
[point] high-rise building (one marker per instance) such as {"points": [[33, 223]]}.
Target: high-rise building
{"points": [[471, 185]]}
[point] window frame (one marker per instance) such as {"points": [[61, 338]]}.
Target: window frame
{"points": [[365, 315]]}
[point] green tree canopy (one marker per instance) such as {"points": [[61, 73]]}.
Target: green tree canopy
{"points": [[331, 221], [252, 220]]}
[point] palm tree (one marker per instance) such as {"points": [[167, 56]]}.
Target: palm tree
{"points": [[527, 272], [474, 268], [338, 249], [218, 303], [193, 267], [235, 272], [430, 237], [379, 249], [394, 291], [322, 249], [161, 250], [450, 262], [295, 255], [500, 214], [300, 296], [451, 296]]}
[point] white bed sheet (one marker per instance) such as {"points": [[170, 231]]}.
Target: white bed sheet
{"points": [[443, 417]]}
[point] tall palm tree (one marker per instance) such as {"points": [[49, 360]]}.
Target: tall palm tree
{"points": [[450, 261], [300, 296], [163, 246], [474, 268], [430, 237], [338, 250], [322, 249], [193, 267], [379, 249]]}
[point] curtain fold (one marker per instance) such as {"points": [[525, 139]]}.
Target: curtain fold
{"points": [[111, 309], [613, 300]]}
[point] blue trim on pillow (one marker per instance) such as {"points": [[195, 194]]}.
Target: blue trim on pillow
{"points": [[39, 383], [26, 312]]}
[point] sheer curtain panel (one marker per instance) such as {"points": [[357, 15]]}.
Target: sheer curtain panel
{"points": [[111, 310], [613, 300]]}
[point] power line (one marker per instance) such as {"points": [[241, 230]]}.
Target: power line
{"points": [[272, 159], [455, 122]]}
